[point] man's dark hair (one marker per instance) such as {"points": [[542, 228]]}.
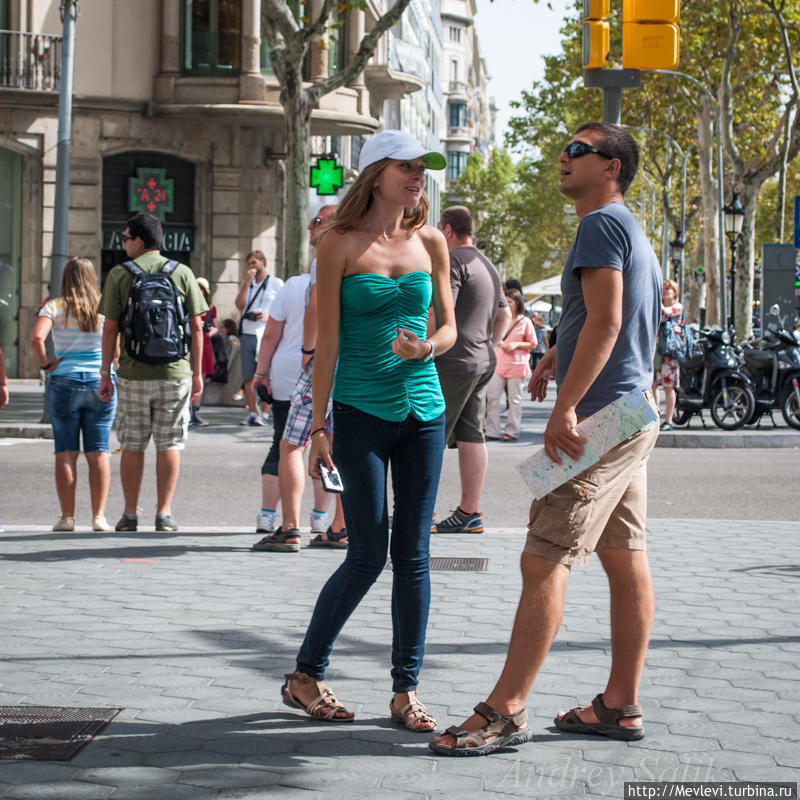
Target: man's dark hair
{"points": [[512, 283], [617, 143], [459, 219], [147, 228]]}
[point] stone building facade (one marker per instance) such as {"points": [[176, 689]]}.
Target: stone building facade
{"points": [[175, 111]]}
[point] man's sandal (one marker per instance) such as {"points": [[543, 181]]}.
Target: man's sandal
{"points": [[330, 539], [324, 708], [609, 721], [499, 732], [411, 714]]}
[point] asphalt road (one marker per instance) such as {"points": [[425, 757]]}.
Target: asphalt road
{"points": [[220, 481]]}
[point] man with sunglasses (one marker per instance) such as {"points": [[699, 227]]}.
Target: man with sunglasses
{"points": [[154, 399], [611, 287]]}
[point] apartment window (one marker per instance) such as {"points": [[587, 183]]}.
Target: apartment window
{"points": [[453, 69], [458, 115], [211, 37], [337, 54], [455, 164], [455, 34]]}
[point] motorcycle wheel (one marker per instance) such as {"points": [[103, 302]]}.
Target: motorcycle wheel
{"points": [[741, 405], [681, 416], [790, 408]]}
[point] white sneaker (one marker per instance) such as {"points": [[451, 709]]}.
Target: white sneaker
{"points": [[65, 524], [265, 419], [100, 523], [265, 522], [248, 420], [318, 520]]}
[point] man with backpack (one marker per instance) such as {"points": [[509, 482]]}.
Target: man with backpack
{"points": [[155, 305]]}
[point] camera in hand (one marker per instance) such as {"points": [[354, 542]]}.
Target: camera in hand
{"points": [[263, 395], [251, 315], [331, 480]]}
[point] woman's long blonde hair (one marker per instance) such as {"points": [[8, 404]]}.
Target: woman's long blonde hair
{"points": [[357, 202], [81, 293]]}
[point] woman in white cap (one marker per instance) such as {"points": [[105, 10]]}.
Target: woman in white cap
{"points": [[379, 269]]}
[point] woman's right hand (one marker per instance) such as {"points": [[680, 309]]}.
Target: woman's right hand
{"points": [[319, 453]]}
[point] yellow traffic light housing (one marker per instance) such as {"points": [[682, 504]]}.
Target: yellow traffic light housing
{"points": [[650, 35], [596, 37]]}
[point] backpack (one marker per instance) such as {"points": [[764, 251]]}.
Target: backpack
{"points": [[674, 340], [155, 324]]}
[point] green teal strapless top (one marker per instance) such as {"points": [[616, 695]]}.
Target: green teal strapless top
{"points": [[369, 376]]}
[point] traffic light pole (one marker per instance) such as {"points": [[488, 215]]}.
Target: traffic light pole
{"points": [[612, 82]]}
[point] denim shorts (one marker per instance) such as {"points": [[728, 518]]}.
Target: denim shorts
{"points": [[75, 409]]}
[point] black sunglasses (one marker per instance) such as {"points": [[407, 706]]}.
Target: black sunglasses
{"points": [[317, 221], [126, 238], [580, 149]]}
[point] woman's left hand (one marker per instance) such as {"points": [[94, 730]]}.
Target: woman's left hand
{"points": [[407, 345]]}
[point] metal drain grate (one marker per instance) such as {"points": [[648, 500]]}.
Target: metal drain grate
{"points": [[49, 733], [454, 564]]}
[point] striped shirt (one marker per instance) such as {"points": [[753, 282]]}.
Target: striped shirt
{"points": [[81, 350]]}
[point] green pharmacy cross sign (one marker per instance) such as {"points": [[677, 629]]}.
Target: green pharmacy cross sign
{"points": [[150, 192], [326, 177]]}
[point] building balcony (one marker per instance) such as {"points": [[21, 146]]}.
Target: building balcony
{"points": [[405, 71], [30, 61], [457, 90], [458, 133]]}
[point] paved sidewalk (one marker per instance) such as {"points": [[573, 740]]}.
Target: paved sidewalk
{"points": [[22, 418], [191, 633]]}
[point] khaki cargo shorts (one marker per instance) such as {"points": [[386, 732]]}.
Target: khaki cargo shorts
{"points": [[604, 506], [153, 408]]}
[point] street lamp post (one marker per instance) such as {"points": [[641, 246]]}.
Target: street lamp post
{"points": [[734, 219], [676, 257]]}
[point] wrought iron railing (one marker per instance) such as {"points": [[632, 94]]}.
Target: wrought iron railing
{"points": [[30, 61]]}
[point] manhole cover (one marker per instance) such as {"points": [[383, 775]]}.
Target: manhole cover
{"points": [[454, 564], [49, 733]]}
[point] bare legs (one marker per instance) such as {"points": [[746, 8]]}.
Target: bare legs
{"points": [[66, 481], [472, 462], [131, 469], [539, 617]]}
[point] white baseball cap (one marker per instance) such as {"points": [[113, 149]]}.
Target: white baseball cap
{"points": [[398, 145]]}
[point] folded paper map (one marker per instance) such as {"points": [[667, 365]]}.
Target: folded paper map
{"points": [[606, 429]]}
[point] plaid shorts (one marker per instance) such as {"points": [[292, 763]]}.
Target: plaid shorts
{"points": [[298, 423], [157, 408]]}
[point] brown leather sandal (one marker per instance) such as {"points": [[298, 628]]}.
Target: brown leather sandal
{"points": [[609, 721], [324, 708], [411, 714], [499, 732]]}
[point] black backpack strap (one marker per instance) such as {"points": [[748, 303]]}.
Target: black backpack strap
{"points": [[132, 267], [170, 267]]}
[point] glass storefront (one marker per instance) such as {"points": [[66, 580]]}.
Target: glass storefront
{"points": [[10, 264]]}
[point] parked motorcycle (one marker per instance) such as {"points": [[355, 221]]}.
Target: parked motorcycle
{"points": [[773, 366], [712, 379]]}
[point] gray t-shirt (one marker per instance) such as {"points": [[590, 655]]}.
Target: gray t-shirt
{"points": [[612, 237], [477, 294]]}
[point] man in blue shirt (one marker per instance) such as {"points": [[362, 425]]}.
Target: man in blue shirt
{"points": [[611, 287]]}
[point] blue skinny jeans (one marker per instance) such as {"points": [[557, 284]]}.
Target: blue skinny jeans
{"points": [[363, 449]]}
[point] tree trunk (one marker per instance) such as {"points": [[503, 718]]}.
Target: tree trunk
{"points": [[743, 313], [298, 158], [709, 229]]}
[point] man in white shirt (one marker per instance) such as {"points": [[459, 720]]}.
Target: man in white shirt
{"points": [[254, 299]]}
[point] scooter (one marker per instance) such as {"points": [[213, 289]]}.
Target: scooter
{"points": [[773, 366], [712, 380]]}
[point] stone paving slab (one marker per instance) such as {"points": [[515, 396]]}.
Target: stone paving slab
{"points": [[193, 637]]}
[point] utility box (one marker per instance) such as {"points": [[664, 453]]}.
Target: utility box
{"points": [[780, 284]]}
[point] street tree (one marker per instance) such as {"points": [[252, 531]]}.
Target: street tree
{"points": [[290, 41], [491, 190]]}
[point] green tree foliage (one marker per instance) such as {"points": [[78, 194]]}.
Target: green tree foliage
{"points": [[491, 190]]}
